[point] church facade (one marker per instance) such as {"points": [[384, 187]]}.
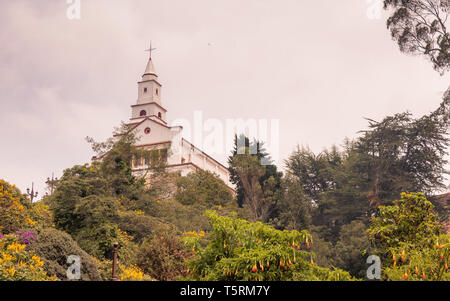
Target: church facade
{"points": [[149, 124]]}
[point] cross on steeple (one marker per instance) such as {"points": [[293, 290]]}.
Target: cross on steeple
{"points": [[150, 49]]}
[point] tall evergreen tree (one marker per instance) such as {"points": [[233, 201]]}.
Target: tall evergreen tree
{"points": [[258, 185]]}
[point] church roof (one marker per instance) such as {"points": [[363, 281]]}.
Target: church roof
{"points": [[150, 69], [136, 124], [199, 150], [147, 103]]}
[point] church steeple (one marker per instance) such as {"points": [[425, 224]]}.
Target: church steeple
{"points": [[149, 94], [149, 71]]}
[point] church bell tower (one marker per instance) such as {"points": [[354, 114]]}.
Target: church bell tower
{"points": [[149, 95]]}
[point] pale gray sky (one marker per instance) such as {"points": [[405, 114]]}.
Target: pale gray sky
{"points": [[320, 67]]}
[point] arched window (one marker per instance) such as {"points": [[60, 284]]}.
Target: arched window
{"points": [[156, 91], [143, 113], [159, 115]]}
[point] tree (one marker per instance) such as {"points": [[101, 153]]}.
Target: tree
{"points": [[239, 250], [333, 183], [202, 188], [405, 154], [96, 228], [91, 201], [349, 251], [116, 156], [397, 154], [323, 250], [406, 236], [420, 27], [294, 208], [249, 171], [76, 184], [258, 185], [314, 172]]}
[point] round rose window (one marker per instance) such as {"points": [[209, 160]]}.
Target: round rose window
{"points": [[147, 130]]}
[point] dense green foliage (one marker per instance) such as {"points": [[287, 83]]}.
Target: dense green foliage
{"points": [[203, 188], [54, 247], [262, 232], [294, 207], [411, 219], [407, 238], [395, 155], [352, 248], [18, 213], [163, 257], [101, 203], [194, 227], [240, 250], [257, 180]]}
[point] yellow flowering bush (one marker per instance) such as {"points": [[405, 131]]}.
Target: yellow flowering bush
{"points": [[18, 264], [14, 214], [194, 239], [40, 214], [131, 273], [195, 234]]}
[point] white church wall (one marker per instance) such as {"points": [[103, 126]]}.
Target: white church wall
{"points": [[158, 133], [150, 109], [183, 157], [191, 154]]}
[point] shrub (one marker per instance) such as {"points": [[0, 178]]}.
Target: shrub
{"points": [[19, 264], [411, 219], [163, 257], [14, 209], [240, 250], [54, 247], [133, 273], [41, 214], [407, 237]]}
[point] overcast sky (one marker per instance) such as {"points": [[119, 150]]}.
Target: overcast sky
{"points": [[319, 67]]}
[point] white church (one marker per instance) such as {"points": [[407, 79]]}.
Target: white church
{"points": [[149, 124]]}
